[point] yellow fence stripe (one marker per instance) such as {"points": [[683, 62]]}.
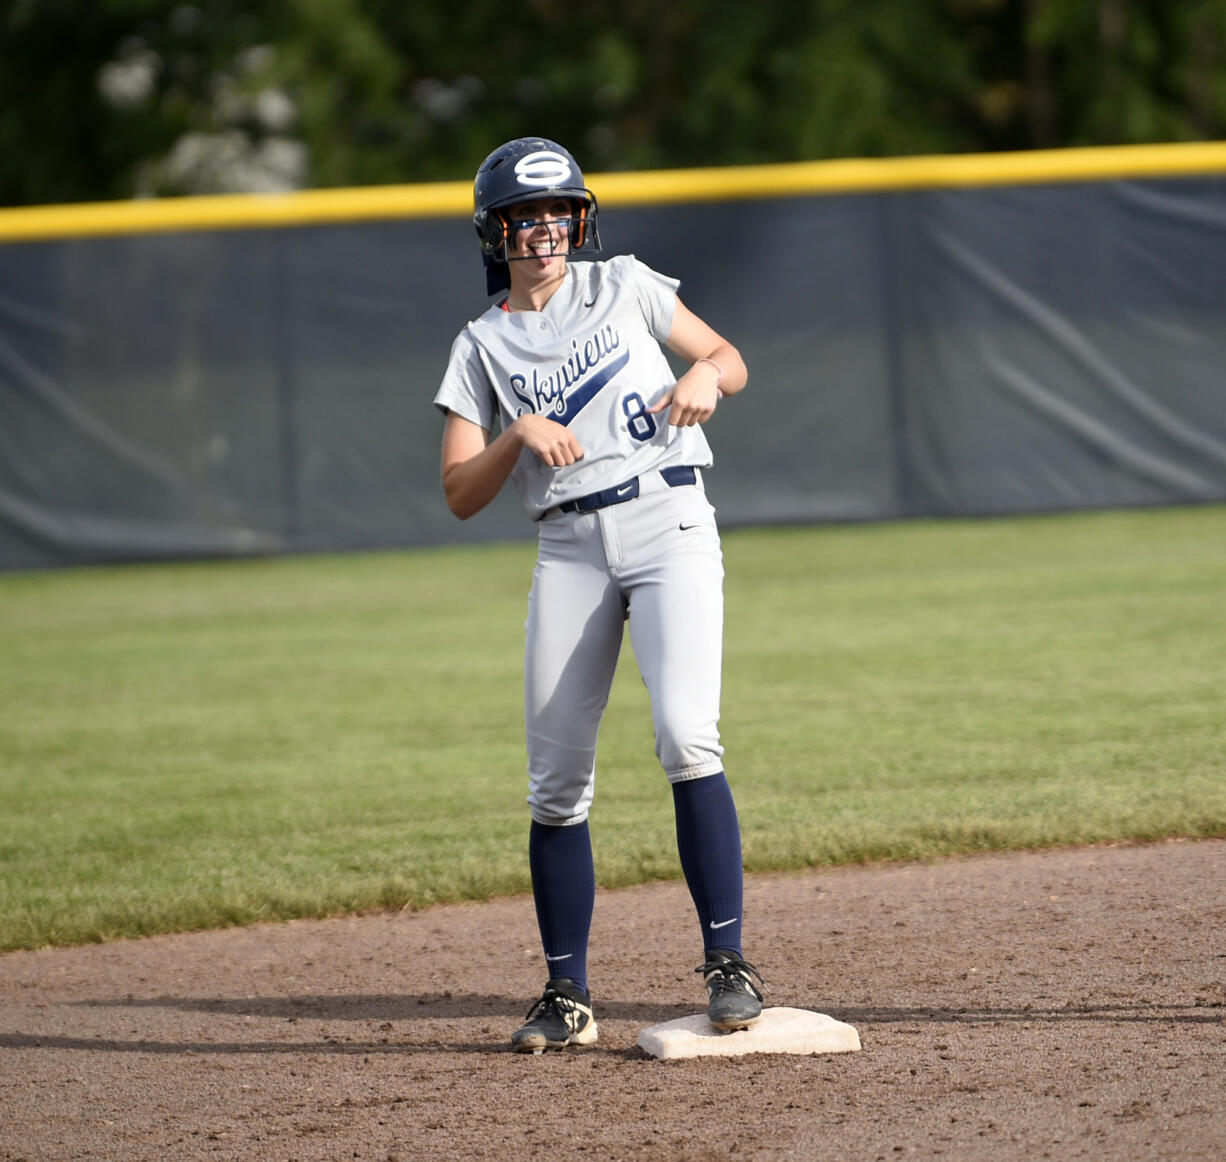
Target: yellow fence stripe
{"points": [[910, 173], [237, 211], [659, 187]]}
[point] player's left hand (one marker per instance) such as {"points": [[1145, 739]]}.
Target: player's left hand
{"points": [[691, 400]]}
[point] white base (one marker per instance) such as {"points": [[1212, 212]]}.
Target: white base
{"points": [[776, 1031]]}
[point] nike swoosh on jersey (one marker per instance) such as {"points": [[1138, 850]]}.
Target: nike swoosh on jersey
{"points": [[580, 398]]}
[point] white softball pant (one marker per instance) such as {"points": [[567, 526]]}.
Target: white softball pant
{"points": [[656, 561]]}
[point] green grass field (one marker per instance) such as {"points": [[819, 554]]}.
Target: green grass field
{"points": [[192, 746]]}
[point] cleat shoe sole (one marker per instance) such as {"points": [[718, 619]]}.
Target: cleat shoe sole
{"points": [[537, 1042], [734, 1024]]}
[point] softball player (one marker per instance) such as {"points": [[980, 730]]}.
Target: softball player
{"points": [[562, 387]]}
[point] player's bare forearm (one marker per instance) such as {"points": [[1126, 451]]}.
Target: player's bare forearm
{"points": [[733, 374], [716, 370], [475, 467], [705, 348], [471, 482]]}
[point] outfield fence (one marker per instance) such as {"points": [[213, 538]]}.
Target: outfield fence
{"points": [[996, 334]]}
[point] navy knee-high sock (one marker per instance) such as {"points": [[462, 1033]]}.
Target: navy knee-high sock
{"points": [[564, 888], [709, 844]]}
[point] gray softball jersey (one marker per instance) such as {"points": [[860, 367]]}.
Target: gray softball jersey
{"points": [[591, 360]]}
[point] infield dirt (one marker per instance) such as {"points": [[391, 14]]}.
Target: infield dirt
{"points": [[1060, 1004]]}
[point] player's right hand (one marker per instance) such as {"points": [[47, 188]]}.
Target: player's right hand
{"points": [[552, 442]]}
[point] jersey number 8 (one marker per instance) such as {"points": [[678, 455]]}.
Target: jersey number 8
{"points": [[638, 423]]}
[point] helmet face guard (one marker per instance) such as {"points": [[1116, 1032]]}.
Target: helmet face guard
{"points": [[523, 170], [501, 230]]}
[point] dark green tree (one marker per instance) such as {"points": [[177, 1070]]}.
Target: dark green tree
{"points": [[114, 98]]}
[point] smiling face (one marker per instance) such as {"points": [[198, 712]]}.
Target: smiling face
{"points": [[539, 236]]}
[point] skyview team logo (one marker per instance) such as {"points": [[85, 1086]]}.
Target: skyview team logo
{"points": [[542, 168], [574, 383]]}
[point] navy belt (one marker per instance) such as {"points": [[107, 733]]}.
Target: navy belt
{"points": [[628, 490]]}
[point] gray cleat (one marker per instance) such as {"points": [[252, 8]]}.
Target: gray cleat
{"points": [[734, 1000], [562, 1017]]}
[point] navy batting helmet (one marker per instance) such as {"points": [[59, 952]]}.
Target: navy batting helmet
{"points": [[528, 167]]}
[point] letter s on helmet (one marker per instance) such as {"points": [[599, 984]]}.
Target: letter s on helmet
{"points": [[528, 167]]}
